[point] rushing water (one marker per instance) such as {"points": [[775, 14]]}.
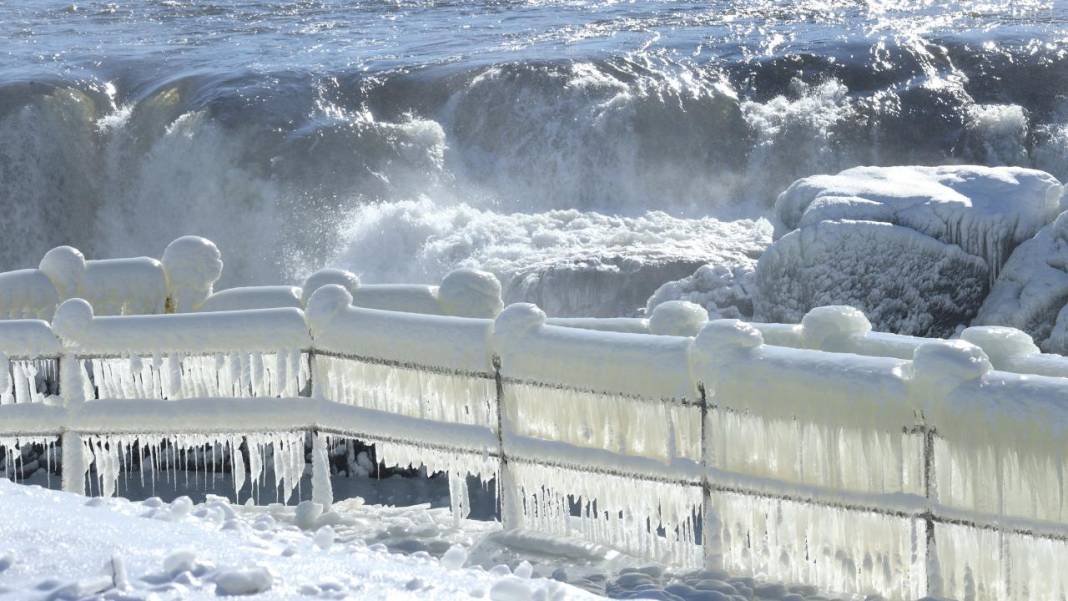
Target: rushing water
{"points": [[267, 126]]}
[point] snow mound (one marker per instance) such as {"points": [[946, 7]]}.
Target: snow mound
{"points": [[903, 280], [987, 211], [1032, 290]]}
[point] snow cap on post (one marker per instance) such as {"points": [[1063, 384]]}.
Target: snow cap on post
{"points": [[65, 267], [828, 328], [72, 320], [723, 336], [517, 320], [192, 265], [1000, 344], [324, 304], [470, 293], [346, 279], [940, 366], [677, 318]]}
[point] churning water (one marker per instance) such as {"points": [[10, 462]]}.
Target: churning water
{"points": [[270, 127]]}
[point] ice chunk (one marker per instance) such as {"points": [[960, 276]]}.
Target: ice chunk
{"points": [[905, 281]]}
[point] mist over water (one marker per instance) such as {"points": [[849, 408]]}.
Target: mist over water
{"points": [[282, 130]]}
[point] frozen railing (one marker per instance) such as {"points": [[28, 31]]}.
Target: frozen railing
{"points": [[934, 473]]}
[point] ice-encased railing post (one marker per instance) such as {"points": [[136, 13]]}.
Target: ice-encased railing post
{"points": [[322, 489]]}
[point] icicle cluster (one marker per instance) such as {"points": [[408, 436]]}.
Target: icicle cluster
{"points": [[176, 376], [999, 480], [987, 565], [26, 380], [648, 519], [458, 465], [660, 429], [446, 397], [275, 461], [849, 458], [18, 456], [830, 548]]}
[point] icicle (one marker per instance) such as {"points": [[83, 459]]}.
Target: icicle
{"points": [[6, 395]]}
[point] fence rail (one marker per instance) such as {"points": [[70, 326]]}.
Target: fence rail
{"points": [[856, 474]]}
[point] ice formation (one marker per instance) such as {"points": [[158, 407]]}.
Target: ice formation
{"points": [[458, 466], [842, 427], [18, 456], [1032, 290], [275, 461], [905, 281], [253, 297], [315, 281], [648, 518], [916, 248], [132, 286], [27, 294], [193, 265], [986, 211], [470, 293], [677, 318], [412, 391], [834, 549], [985, 565], [459, 344]]}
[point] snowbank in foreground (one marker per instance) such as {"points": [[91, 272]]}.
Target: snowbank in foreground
{"points": [[569, 262], [117, 549]]}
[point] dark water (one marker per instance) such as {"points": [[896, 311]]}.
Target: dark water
{"points": [[270, 127]]}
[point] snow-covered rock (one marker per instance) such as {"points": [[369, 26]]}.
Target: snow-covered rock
{"points": [[987, 211], [1032, 291], [916, 248], [905, 281]]}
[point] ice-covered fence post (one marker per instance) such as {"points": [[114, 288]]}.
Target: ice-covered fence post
{"points": [[470, 293], [192, 265], [834, 328], [939, 368], [324, 304], [72, 317], [515, 321], [718, 344]]}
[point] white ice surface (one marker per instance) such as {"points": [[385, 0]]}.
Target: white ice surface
{"points": [[118, 549]]}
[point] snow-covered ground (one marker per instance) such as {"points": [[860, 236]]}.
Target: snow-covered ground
{"points": [[55, 545]]}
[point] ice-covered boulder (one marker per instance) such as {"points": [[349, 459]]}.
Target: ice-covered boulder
{"points": [[915, 248], [987, 211], [1031, 293], [903, 280]]}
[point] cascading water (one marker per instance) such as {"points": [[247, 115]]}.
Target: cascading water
{"points": [[278, 147]]}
